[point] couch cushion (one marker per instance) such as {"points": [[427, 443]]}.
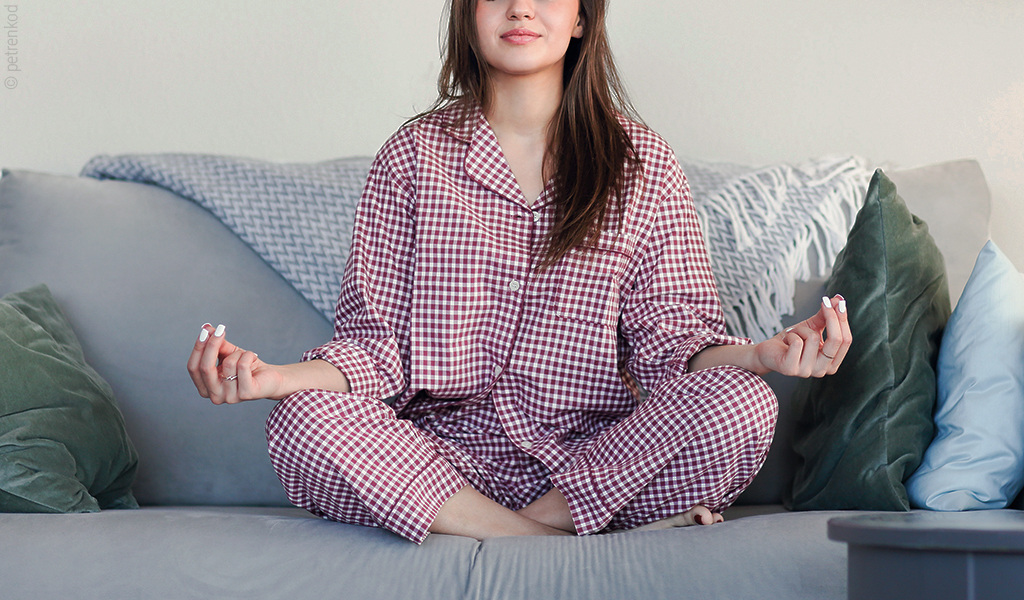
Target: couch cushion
{"points": [[137, 270], [976, 460], [861, 432], [63, 446], [785, 555], [211, 552], [283, 553]]}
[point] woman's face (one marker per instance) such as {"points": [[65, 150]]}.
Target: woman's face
{"points": [[525, 37]]}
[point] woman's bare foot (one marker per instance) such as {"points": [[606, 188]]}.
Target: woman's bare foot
{"points": [[552, 510], [698, 515], [469, 513]]}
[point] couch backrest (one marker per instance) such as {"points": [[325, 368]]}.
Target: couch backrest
{"points": [[138, 270]]}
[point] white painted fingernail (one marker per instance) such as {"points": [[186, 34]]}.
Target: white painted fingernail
{"points": [[826, 302], [842, 306], [788, 329], [204, 334], [220, 331]]}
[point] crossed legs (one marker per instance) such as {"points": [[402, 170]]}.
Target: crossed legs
{"points": [[349, 459]]}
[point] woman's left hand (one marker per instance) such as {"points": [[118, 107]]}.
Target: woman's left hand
{"points": [[812, 348]]}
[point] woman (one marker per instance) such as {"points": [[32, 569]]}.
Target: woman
{"points": [[524, 259]]}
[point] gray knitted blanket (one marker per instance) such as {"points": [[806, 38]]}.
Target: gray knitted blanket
{"points": [[763, 226], [298, 217], [759, 224]]}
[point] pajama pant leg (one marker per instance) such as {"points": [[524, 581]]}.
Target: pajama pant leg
{"points": [[699, 439], [347, 458]]}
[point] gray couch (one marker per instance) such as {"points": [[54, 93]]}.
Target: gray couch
{"points": [[138, 269]]}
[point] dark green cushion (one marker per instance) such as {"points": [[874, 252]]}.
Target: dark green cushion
{"points": [[63, 445], [863, 431]]}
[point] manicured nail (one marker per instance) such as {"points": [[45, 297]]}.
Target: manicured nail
{"points": [[842, 306], [826, 302], [788, 329], [699, 519], [204, 335], [220, 331]]}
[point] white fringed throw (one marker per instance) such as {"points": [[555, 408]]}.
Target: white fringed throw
{"points": [[761, 225]]}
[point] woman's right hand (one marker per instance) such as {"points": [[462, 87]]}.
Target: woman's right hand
{"points": [[225, 373]]}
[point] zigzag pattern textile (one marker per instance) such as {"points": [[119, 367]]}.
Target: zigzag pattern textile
{"points": [[760, 225], [768, 227], [297, 216]]}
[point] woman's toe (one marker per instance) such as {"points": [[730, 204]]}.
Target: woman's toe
{"points": [[699, 515]]}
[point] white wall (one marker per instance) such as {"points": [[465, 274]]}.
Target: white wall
{"points": [[901, 81]]}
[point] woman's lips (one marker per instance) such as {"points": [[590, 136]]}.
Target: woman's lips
{"points": [[520, 36]]}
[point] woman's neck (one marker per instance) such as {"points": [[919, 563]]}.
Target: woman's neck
{"points": [[524, 106], [520, 113]]}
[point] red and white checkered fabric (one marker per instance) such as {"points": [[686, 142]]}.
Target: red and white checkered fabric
{"points": [[508, 377]]}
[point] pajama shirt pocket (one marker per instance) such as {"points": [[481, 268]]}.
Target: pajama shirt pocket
{"points": [[588, 281]]}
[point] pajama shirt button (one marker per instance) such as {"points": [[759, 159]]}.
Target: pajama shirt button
{"points": [[514, 285], [536, 217], [497, 370], [526, 445]]}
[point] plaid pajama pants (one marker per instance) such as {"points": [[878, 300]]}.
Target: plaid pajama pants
{"points": [[700, 439]]}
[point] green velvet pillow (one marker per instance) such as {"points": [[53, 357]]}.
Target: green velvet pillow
{"points": [[63, 445], [863, 431]]}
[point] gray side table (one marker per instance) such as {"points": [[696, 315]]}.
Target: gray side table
{"points": [[932, 555]]}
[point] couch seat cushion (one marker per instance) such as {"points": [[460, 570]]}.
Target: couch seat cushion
{"points": [[191, 552]]}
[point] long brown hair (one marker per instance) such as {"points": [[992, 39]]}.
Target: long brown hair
{"points": [[592, 156]]}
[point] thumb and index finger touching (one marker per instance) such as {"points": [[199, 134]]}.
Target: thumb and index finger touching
{"points": [[829, 307], [832, 321], [837, 331], [831, 326], [210, 348]]}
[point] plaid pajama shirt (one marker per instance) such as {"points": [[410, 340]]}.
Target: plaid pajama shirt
{"points": [[509, 378]]}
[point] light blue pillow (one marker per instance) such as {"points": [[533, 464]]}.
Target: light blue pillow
{"points": [[976, 460]]}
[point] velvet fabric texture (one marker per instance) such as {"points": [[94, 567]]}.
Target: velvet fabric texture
{"points": [[63, 444], [862, 432]]}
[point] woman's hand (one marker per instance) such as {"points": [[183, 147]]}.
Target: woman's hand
{"points": [[800, 350], [225, 373]]}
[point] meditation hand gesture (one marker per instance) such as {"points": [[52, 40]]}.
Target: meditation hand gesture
{"points": [[812, 348], [225, 373]]}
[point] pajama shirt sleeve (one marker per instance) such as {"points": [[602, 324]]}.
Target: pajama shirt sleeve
{"points": [[673, 310], [371, 330]]}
